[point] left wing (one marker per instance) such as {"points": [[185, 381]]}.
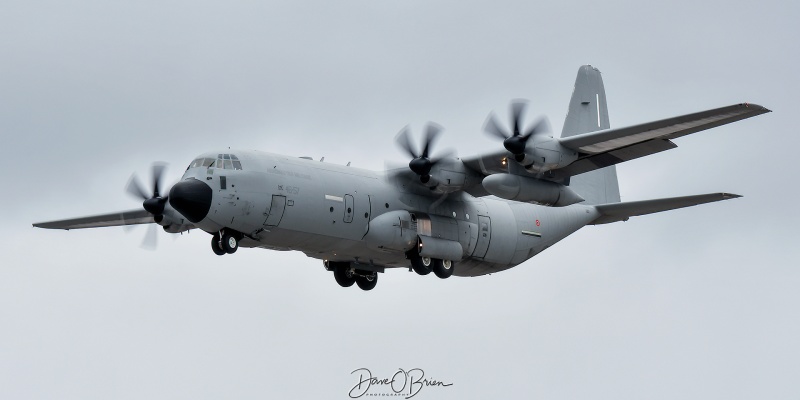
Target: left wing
{"points": [[612, 146], [132, 217], [670, 128]]}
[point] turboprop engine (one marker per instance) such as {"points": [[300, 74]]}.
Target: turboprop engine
{"points": [[534, 149], [525, 189]]}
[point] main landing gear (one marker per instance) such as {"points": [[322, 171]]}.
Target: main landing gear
{"points": [[346, 275], [225, 243], [424, 265]]}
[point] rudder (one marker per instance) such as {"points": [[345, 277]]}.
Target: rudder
{"points": [[588, 113]]}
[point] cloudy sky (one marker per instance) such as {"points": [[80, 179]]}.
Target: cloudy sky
{"points": [[694, 303]]}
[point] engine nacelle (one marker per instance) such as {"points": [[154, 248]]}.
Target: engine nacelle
{"points": [[393, 231], [449, 175], [525, 189], [172, 222], [546, 154]]}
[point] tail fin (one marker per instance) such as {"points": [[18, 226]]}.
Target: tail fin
{"points": [[588, 113]]}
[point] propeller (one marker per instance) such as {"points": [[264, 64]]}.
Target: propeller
{"points": [[153, 204], [421, 163], [515, 142]]}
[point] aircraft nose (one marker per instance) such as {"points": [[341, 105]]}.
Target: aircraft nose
{"points": [[191, 198]]}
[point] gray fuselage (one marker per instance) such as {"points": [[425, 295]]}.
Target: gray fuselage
{"points": [[326, 211]]}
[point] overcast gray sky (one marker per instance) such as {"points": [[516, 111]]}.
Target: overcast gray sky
{"points": [[695, 303]]}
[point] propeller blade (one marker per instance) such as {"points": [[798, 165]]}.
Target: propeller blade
{"points": [[493, 128], [432, 132], [517, 109], [158, 171], [134, 188], [150, 241], [445, 154], [403, 140], [542, 125]]}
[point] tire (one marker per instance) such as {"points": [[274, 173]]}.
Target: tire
{"points": [[215, 246], [343, 276], [367, 282], [443, 268], [230, 243], [422, 265]]}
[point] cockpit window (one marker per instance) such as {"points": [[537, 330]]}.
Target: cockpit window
{"points": [[201, 162], [224, 161]]}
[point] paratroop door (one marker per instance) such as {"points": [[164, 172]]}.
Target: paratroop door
{"points": [[484, 235], [276, 210]]}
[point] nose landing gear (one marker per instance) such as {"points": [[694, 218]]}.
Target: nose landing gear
{"points": [[225, 243], [216, 246]]}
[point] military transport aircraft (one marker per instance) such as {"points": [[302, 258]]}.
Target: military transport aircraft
{"points": [[452, 216]]}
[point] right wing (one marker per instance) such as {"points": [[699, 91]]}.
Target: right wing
{"points": [[132, 217]]}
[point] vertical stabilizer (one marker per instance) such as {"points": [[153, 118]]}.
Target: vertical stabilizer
{"points": [[588, 113]]}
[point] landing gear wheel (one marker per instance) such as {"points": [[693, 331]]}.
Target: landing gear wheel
{"points": [[230, 243], [367, 282], [422, 265], [215, 246], [344, 277], [443, 268]]}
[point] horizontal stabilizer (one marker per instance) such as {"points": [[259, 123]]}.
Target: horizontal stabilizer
{"points": [[616, 212], [132, 217]]}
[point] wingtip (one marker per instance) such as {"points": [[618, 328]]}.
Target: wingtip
{"points": [[728, 196], [756, 107]]}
